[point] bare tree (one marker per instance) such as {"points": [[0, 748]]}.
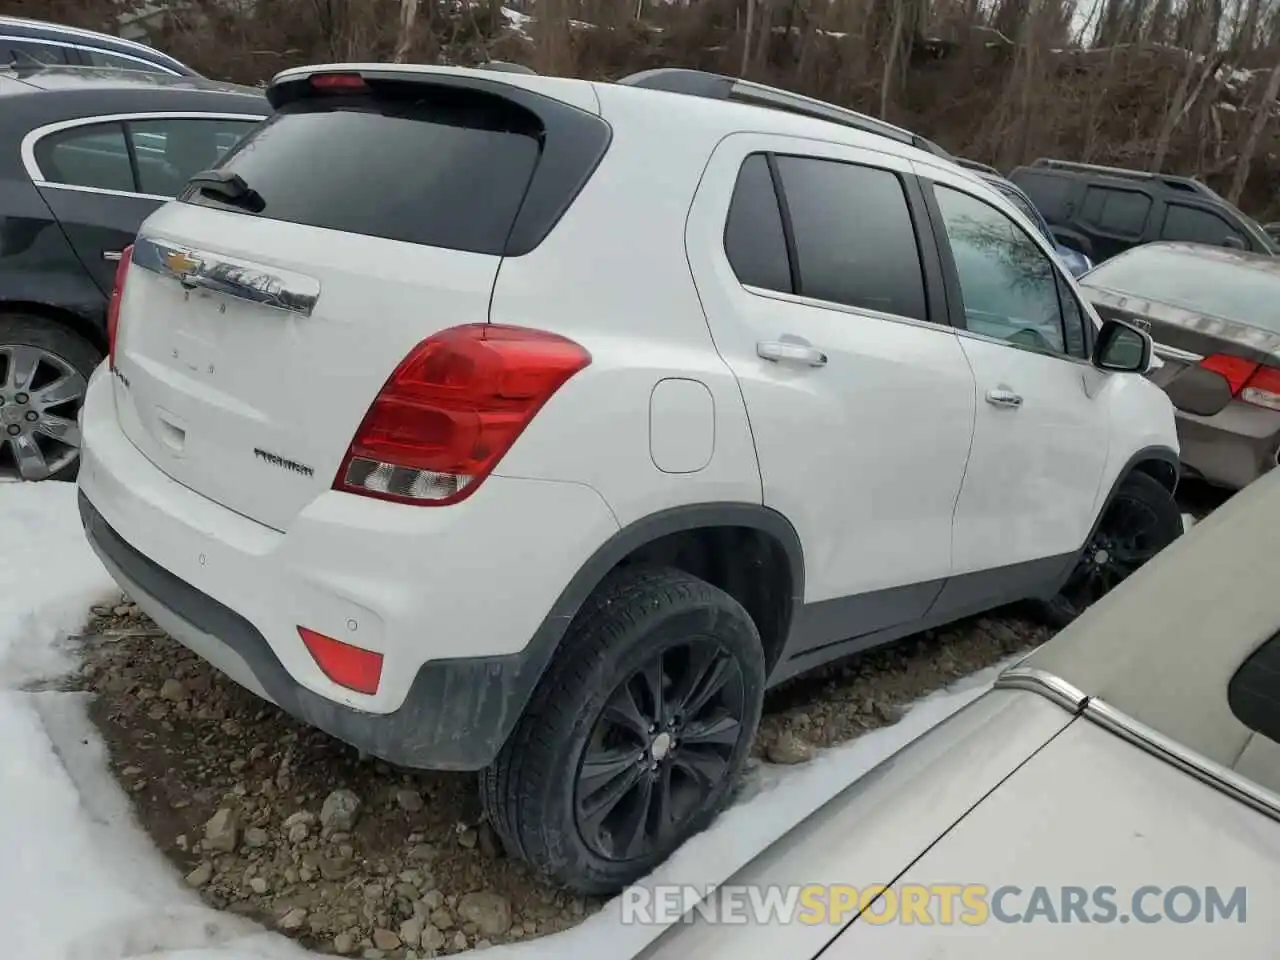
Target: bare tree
{"points": [[408, 14], [1178, 104], [1259, 123]]}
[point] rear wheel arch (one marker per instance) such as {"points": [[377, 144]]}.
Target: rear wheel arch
{"points": [[83, 327]]}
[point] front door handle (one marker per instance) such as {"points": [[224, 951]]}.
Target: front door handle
{"points": [[791, 351], [112, 256], [1004, 397]]}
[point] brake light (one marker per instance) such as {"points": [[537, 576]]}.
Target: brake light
{"points": [[339, 83], [1249, 381], [452, 409], [348, 666], [113, 307]]}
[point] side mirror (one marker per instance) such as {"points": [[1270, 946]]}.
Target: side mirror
{"points": [[1121, 348], [1234, 242]]}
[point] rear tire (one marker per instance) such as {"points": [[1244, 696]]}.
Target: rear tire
{"points": [[594, 738], [1141, 520], [39, 434]]}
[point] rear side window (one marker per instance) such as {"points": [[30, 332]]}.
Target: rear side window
{"points": [[1119, 212], [854, 239], [1050, 194], [438, 165], [753, 237], [171, 151], [1197, 226], [90, 156], [28, 51], [1254, 691], [100, 58]]}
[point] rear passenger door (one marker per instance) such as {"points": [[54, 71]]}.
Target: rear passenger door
{"points": [[103, 176], [819, 295]]}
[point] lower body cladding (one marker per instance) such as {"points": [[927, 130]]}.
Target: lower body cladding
{"points": [[1231, 448], [458, 617]]}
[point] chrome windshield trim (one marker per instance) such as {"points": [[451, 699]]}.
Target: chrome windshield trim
{"points": [[1044, 683], [254, 283], [1184, 758]]}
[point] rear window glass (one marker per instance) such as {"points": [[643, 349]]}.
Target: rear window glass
{"points": [[1242, 287], [451, 172]]}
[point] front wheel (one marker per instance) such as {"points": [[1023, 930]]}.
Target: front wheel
{"points": [[1141, 520], [636, 736]]}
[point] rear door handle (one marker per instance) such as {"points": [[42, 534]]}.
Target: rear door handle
{"points": [[791, 351], [1004, 397]]}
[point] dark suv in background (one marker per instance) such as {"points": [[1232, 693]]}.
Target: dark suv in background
{"points": [[1103, 211]]}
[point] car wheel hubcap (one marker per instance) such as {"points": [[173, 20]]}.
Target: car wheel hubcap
{"points": [[660, 750], [40, 395], [1127, 537]]}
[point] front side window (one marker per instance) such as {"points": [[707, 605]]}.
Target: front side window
{"points": [[1197, 226], [1008, 284], [854, 238], [94, 155], [171, 152], [19, 52]]}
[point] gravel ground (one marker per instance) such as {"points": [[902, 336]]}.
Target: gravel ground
{"points": [[282, 823]]}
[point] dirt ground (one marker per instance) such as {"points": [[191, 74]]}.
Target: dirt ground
{"points": [[282, 823]]}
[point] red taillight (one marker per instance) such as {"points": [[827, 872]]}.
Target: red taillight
{"points": [[339, 83], [1249, 381], [352, 667], [113, 307], [452, 409]]}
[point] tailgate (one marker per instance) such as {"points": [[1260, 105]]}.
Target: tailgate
{"points": [[263, 312]]}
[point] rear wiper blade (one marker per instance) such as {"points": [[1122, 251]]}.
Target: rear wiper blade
{"points": [[229, 187]]}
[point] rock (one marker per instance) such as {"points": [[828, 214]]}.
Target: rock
{"points": [[385, 939], [489, 845], [490, 912], [294, 919], [337, 867], [158, 710], [411, 932], [200, 875], [221, 831], [410, 801], [172, 691], [339, 811], [468, 838], [344, 943], [789, 749], [431, 938], [432, 900], [255, 837], [423, 853], [297, 827], [442, 918], [258, 885], [459, 941]]}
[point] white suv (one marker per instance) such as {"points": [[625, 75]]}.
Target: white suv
{"points": [[535, 426]]}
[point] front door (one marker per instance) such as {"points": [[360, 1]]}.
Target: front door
{"points": [[860, 399], [1042, 431]]}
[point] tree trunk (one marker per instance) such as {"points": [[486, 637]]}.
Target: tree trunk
{"points": [[1176, 109], [408, 14], [746, 38], [1260, 117], [891, 57]]}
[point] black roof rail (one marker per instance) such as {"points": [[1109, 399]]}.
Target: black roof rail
{"points": [[505, 66], [980, 167], [716, 86], [1189, 184]]}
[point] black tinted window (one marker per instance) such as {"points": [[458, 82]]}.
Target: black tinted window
{"points": [[26, 51], [170, 152], [448, 172], [1050, 194], [1198, 226], [89, 156], [753, 237], [1008, 284], [1253, 693], [854, 238], [1122, 212], [1073, 321]]}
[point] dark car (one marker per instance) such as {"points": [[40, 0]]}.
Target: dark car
{"points": [[1074, 260], [85, 156], [1214, 317], [1102, 211], [35, 41]]}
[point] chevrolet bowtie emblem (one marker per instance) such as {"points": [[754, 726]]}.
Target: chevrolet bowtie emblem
{"points": [[181, 263]]}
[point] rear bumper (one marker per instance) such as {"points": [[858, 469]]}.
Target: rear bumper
{"points": [[461, 603], [1233, 447]]}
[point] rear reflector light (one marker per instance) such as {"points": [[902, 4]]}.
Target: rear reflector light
{"points": [[113, 308], [452, 409], [339, 83], [351, 667], [1249, 381]]}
